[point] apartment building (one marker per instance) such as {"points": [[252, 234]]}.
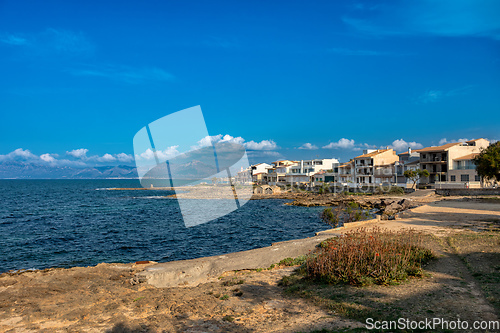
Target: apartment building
{"points": [[259, 178], [409, 160], [276, 175], [259, 168], [464, 170], [346, 173], [302, 171], [244, 176], [325, 177], [440, 160], [375, 167]]}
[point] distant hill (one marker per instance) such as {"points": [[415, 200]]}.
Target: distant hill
{"points": [[25, 170]]}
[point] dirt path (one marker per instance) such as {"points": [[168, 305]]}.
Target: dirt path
{"points": [[445, 216], [102, 298]]}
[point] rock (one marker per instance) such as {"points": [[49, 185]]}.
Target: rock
{"points": [[392, 209]]}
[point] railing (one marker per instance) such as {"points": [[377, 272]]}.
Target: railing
{"points": [[465, 167], [451, 185], [434, 159]]}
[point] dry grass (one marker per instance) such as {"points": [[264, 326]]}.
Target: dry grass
{"points": [[369, 256]]}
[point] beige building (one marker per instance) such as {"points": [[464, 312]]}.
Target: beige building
{"points": [[440, 160], [464, 172], [346, 173], [375, 167], [259, 178], [277, 173]]}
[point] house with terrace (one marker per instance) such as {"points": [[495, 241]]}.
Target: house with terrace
{"points": [[441, 160], [346, 174], [375, 167], [276, 175], [301, 172]]}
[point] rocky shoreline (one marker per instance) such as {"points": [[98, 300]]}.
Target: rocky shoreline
{"points": [[386, 206]]}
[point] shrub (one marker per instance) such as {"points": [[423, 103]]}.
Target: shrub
{"points": [[343, 213], [364, 257], [393, 190], [293, 261]]}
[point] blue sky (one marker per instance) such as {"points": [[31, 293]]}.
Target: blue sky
{"points": [[331, 77]]}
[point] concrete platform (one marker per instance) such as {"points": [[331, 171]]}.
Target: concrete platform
{"points": [[190, 273]]}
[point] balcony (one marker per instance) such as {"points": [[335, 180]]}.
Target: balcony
{"points": [[434, 159], [466, 167]]}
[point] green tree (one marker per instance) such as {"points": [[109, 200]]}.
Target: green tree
{"points": [[488, 162], [416, 175]]}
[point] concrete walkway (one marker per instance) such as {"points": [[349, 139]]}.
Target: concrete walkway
{"points": [[421, 193], [192, 272]]}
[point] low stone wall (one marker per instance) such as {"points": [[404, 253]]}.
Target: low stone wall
{"points": [[468, 191]]}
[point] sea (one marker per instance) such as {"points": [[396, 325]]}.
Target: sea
{"points": [[68, 223]]}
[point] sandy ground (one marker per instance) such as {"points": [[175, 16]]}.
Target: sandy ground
{"points": [[103, 299]]}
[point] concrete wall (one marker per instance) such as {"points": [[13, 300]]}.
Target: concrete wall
{"points": [[470, 191]]}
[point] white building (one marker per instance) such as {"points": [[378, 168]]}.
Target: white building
{"points": [[301, 172], [259, 168], [276, 175]]}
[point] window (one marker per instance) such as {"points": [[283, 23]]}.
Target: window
{"points": [[423, 156], [464, 178], [452, 178], [477, 178]]}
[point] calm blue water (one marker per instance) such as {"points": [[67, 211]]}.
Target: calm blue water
{"points": [[65, 223]]}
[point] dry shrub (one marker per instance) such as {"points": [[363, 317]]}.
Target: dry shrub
{"points": [[367, 256]]}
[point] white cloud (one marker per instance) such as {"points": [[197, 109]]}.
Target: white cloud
{"points": [[210, 140], [162, 155], [78, 153], [48, 158], [402, 145], [308, 146], [342, 143], [125, 74], [51, 42], [430, 96], [251, 145], [263, 145], [19, 154], [106, 158], [447, 18], [122, 157], [13, 40], [445, 141]]}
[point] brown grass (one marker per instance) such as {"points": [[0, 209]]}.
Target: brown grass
{"points": [[369, 256]]}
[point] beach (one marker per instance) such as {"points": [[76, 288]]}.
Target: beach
{"points": [[118, 297]]}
